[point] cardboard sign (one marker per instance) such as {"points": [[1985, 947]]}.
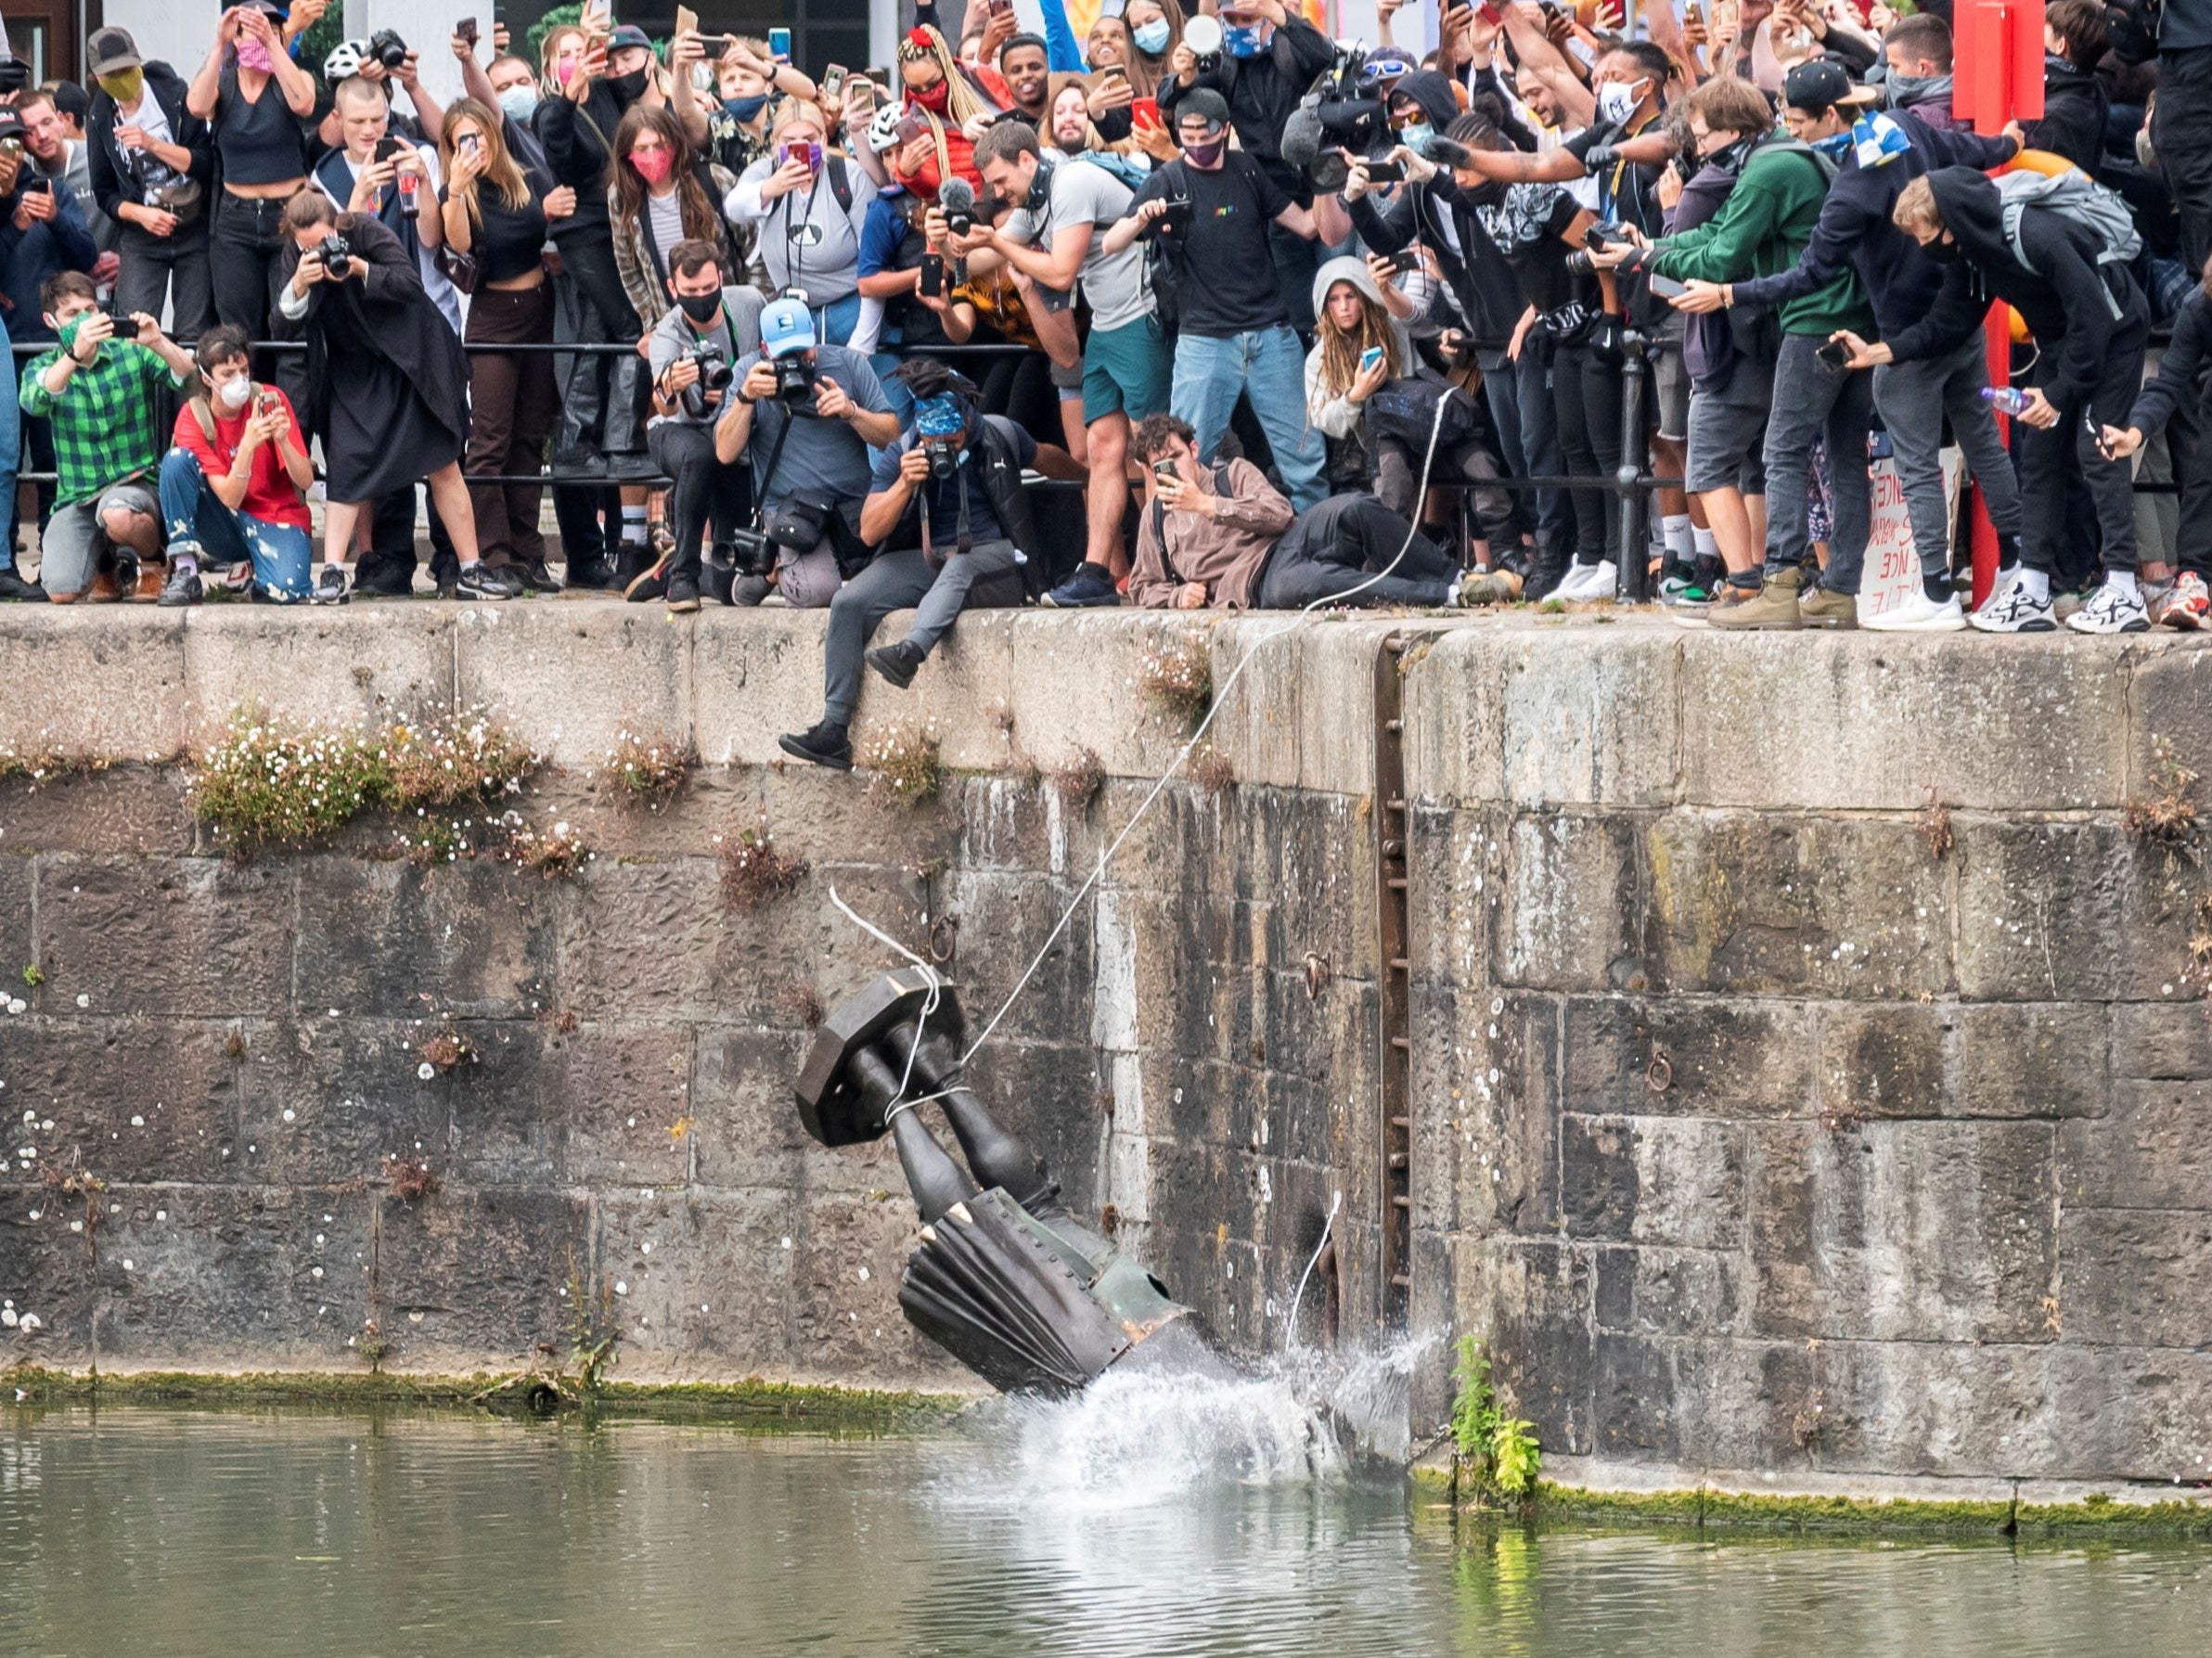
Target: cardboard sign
{"points": [[1891, 562]]}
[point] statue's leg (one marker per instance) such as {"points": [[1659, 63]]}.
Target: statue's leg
{"points": [[998, 1157], [936, 1181]]}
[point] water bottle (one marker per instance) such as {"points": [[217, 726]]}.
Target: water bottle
{"points": [[2005, 400], [406, 196]]}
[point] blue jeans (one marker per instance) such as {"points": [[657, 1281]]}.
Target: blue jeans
{"points": [[1267, 366], [11, 438], [200, 524]]}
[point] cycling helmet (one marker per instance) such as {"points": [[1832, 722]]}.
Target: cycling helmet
{"points": [[882, 128], [345, 61]]}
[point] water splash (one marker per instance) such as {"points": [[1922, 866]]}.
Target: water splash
{"points": [[1136, 1437]]}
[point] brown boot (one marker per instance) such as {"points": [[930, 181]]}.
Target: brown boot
{"points": [[153, 575], [103, 589]]}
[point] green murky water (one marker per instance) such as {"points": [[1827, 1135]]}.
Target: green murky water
{"points": [[221, 1535]]}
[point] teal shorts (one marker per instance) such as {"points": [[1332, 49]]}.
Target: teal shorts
{"points": [[1126, 370]]}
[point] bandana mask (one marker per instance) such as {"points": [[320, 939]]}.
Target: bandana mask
{"points": [[1878, 140], [1243, 40], [933, 97], [745, 110], [253, 55]]}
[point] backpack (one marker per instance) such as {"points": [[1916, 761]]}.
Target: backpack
{"points": [[2074, 196], [1160, 270]]}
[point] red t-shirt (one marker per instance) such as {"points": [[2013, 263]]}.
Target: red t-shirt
{"points": [[271, 495]]}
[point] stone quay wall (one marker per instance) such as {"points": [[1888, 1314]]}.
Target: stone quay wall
{"points": [[1809, 1080]]}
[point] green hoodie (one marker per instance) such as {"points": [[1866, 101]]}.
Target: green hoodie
{"points": [[1760, 231]]}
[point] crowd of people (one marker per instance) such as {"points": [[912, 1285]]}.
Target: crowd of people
{"points": [[1305, 322]]}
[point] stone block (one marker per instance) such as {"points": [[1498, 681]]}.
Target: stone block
{"points": [[2070, 911], [1336, 707], [2044, 1060], [746, 1132], [391, 940], [325, 1102], [2169, 704], [2148, 1150], [185, 936], [130, 810], [1260, 675], [1081, 676], [134, 1099], [847, 1326], [702, 1280], [19, 947], [1904, 1230], [1455, 718], [1573, 906], [1529, 1301], [1660, 1180], [2156, 1042], [572, 680], [1757, 905], [356, 668], [834, 819], [964, 689], [1688, 1057], [715, 803], [2138, 1277], [475, 1275], [755, 675], [1885, 1061], [997, 925], [1714, 1402], [113, 679], [1657, 1291], [1486, 1132], [1849, 709], [601, 1106], [1589, 716]]}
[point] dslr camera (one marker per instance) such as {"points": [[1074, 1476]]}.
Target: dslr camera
{"points": [[751, 552], [388, 49], [338, 256], [792, 385], [714, 375], [1343, 109]]}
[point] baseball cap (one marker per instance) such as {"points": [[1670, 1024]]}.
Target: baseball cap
{"points": [[786, 326], [1820, 84], [109, 51], [629, 35], [1204, 101]]}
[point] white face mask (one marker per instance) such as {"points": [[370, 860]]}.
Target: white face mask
{"points": [[1617, 101], [233, 392]]}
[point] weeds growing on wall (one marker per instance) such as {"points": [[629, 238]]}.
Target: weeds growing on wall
{"points": [[1211, 771], [647, 774], [906, 760], [1498, 1451], [1080, 779], [754, 871], [1177, 676], [2166, 818], [593, 1333]]}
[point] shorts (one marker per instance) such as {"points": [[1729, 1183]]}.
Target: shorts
{"points": [[1126, 370], [71, 542], [1727, 433], [1670, 386]]}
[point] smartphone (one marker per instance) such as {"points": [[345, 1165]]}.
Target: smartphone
{"points": [[1370, 357], [686, 21], [1113, 72], [1596, 239], [1492, 18], [466, 29], [388, 148], [1666, 288], [471, 142], [810, 153], [995, 6], [1836, 354], [1164, 471], [779, 44], [833, 83], [267, 402], [866, 89], [1145, 111], [1386, 172], [913, 124], [933, 274]]}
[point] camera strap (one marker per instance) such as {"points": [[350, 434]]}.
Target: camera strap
{"points": [[963, 539], [760, 491]]}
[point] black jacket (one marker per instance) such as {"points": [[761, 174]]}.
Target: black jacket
{"points": [[113, 183], [2180, 370], [1262, 92], [577, 141], [2076, 107], [2075, 307]]}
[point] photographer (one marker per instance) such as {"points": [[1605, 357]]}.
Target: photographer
{"points": [[1236, 336], [694, 350], [389, 381], [946, 508], [1269, 56], [153, 168], [234, 488], [806, 415], [99, 390], [391, 178], [1127, 369], [382, 62]]}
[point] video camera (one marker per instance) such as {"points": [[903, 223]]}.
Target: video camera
{"points": [[1343, 109]]}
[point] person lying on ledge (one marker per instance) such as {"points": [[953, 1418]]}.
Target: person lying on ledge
{"points": [[1222, 538]]}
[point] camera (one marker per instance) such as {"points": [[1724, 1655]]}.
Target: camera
{"points": [[1178, 215], [1579, 264], [388, 49], [751, 552], [945, 460], [1341, 109], [338, 256], [715, 370], [792, 385]]}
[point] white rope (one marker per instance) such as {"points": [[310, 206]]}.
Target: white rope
{"points": [[1328, 1227], [928, 1002]]}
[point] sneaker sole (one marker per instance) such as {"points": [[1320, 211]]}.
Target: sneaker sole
{"points": [[2028, 627], [2182, 621], [683, 607], [1941, 624], [2126, 627], [827, 762], [655, 571]]}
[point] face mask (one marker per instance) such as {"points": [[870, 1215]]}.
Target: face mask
{"points": [[253, 55], [520, 104], [1904, 90], [125, 87], [1617, 101], [564, 71], [652, 164], [1942, 248], [1417, 135], [1204, 155], [1835, 146], [745, 110], [1243, 40], [699, 307], [232, 393], [933, 97], [627, 89], [1151, 38], [67, 332], [1730, 156]]}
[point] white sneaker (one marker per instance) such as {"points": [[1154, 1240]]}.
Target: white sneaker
{"points": [[1602, 585], [1918, 614], [2111, 609], [2013, 611], [1571, 585]]}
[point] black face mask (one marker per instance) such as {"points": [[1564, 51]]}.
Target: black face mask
{"points": [[1489, 193], [1731, 158], [699, 307], [627, 89], [1942, 248]]}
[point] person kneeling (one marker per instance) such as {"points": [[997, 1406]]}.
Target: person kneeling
{"points": [[1223, 536], [947, 496], [96, 392], [234, 489]]}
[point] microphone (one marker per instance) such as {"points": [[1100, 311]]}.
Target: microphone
{"points": [[1303, 134], [956, 197]]}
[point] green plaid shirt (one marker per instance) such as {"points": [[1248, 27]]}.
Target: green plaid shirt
{"points": [[103, 420]]}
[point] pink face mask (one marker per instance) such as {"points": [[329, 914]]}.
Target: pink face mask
{"points": [[564, 71], [253, 55], [652, 164]]}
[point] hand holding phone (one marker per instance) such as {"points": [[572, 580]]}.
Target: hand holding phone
{"points": [[1836, 354], [779, 44]]}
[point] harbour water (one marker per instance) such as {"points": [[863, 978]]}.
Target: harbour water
{"points": [[1130, 1527]]}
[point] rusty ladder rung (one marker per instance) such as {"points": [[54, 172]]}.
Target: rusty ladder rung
{"points": [[1397, 1160], [1401, 1123], [1398, 964], [1400, 1281]]}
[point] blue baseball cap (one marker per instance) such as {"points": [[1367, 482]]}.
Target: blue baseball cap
{"points": [[786, 326]]}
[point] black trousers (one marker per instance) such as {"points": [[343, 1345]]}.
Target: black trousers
{"points": [[2043, 455], [155, 268], [511, 407], [2182, 132], [243, 255], [389, 565], [1585, 399], [1334, 547], [602, 396], [703, 489]]}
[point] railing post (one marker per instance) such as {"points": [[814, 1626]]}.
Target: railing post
{"points": [[1627, 478]]}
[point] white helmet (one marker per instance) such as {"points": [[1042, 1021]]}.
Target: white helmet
{"points": [[344, 60], [882, 128]]}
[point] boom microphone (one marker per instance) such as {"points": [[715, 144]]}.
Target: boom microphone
{"points": [[1303, 133], [956, 197]]}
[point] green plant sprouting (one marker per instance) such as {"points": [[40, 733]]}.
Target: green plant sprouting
{"points": [[593, 1333], [1500, 1451]]}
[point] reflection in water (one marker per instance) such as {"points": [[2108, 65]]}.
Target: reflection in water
{"points": [[199, 1536]]}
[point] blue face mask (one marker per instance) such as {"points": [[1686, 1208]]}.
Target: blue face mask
{"points": [[519, 103], [745, 109], [1151, 38], [1417, 135], [1243, 40]]}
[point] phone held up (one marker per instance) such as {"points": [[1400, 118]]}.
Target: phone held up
{"points": [[932, 275], [779, 44]]}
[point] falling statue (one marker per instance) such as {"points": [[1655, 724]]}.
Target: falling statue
{"points": [[1004, 1279]]}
